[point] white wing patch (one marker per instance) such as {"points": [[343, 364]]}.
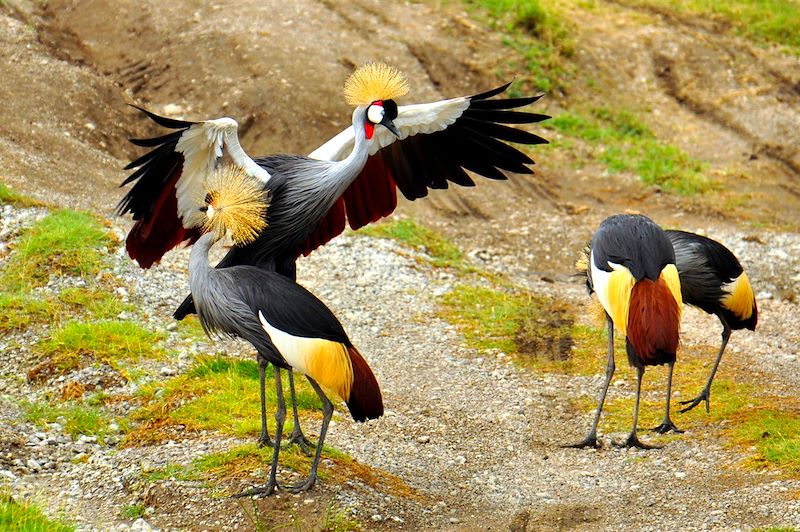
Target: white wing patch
{"points": [[291, 347], [411, 120], [202, 148]]}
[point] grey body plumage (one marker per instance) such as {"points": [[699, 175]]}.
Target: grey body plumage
{"points": [[302, 191], [221, 313]]}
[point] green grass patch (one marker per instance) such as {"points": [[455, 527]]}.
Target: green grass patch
{"points": [[95, 303], [190, 328], [763, 21], [630, 146], [218, 393], [65, 242], [339, 520], [252, 462], [740, 414], [775, 434], [27, 517], [537, 31], [539, 331], [79, 343], [443, 253], [19, 310], [488, 318], [76, 418], [132, 511], [244, 461], [9, 196]]}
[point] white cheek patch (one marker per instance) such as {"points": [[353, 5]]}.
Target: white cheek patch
{"points": [[375, 113]]}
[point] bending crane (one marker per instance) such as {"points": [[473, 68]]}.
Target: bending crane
{"points": [[713, 281], [632, 269]]}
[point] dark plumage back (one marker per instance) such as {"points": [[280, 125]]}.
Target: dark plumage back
{"points": [[634, 241], [296, 311], [705, 267]]}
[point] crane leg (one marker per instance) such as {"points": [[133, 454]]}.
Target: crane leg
{"points": [[667, 425], [591, 439], [280, 417], [327, 413], [706, 393], [632, 439], [264, 440], [297, 437]]}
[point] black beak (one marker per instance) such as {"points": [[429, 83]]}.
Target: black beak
{"points": [[389, 124]]}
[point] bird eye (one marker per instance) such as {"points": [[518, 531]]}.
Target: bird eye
{"points": [[375, 113]]}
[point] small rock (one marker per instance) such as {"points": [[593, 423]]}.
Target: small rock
{"points": [[423, 439], [377, 518], [33, 465], [140, 525], [680, 474]]}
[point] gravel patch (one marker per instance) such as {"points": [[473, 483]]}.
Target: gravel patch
{"points": [[473, 435]]}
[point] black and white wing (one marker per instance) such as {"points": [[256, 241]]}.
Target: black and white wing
{"points": [[169, 182], [438, 143]]}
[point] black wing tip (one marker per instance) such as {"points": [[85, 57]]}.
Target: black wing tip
{"points": [[163, 121], [493, 92]]}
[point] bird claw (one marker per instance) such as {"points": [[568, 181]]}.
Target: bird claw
{"points": [[667, 426], [704, 396], [588, 441], [633, 441], [303, 485], [266, 490], [299, 439], [265, 442]]}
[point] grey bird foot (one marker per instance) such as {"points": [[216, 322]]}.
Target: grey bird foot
{"points": [[266, 490], [303, 485], [667, 426], [265, 441], [696, 401], [633, 441], [299, 439], [588, 441]]}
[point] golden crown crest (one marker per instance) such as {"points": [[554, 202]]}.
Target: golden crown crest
{"points": [[372, 82]]}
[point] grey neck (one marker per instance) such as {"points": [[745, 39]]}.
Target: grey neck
{"points": [[355, 161], [198, 261]]}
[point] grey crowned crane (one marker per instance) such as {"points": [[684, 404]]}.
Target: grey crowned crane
{"points": [[353, 178], [288, 326], [632, 270], [713, 280]]}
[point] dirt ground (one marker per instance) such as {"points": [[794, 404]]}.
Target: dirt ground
{"points": [[70, 68]]}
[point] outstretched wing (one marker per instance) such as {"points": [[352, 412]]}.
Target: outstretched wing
{"points": [[168, 182], [438, 142]]}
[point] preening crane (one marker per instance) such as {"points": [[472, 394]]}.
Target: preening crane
{"points": [[713, 281], [288, 326]]}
